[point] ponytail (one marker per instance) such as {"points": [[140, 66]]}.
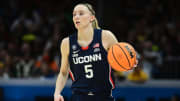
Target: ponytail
{"points": [[95, 24]]}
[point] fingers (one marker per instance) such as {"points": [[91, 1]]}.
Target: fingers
{"points": [[61, 98], [136, 63], [58, 98]]}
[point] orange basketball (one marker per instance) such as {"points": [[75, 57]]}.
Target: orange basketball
{"points": [[122, 56]]}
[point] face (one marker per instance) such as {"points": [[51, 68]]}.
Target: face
{"points": [[82, 17]]}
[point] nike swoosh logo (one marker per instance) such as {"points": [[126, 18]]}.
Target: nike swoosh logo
{"points": [[76, 51]]}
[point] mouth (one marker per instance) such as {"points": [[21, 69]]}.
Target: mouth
{"points": [[77, 22]]}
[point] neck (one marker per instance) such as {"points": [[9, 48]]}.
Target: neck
{"points": [[85, 33]]}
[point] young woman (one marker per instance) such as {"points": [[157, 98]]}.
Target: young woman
{"points": [[84, 56]]}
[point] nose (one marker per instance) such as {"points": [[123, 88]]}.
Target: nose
{"points": [[76, 17]]}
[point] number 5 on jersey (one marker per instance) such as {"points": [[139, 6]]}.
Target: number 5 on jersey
{"points": [[89, 71]]}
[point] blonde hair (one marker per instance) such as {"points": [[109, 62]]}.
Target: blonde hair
{"points": [[90, 8]]}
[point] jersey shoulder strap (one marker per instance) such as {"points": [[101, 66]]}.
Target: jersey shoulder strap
{"points": [[97, 35]]}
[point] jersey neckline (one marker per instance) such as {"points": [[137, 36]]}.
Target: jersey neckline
{"points": [[89, 45]]}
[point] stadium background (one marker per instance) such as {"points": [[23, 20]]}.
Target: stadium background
{"points": [[31, 31]]}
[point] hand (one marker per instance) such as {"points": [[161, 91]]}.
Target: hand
{"points": [[58, 97], [136, 63], [137, 59]]}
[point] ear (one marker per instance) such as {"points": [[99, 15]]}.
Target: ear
{"points": [[92, 18]]}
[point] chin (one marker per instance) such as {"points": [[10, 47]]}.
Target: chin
{"points": [[78, 27]]}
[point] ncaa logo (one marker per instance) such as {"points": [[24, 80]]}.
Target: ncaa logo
{"points": [[74, 47]]}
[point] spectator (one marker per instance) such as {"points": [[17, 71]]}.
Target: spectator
{"points": [[25, 64], [151, 58], [47, 64], [137, 76], [24, 67]]}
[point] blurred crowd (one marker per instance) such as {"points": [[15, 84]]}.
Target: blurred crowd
{"points": [[30, 35], [31, 32], [153, 28]]}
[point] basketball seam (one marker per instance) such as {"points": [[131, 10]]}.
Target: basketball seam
{"points": [[125, 54], [117, 61]]}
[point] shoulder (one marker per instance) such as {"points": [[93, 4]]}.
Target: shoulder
{"points": [[107, 34], [65, 45], [108, 38], [65, 41]]}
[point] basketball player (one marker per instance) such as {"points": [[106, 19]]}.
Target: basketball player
{"points": [[84, 56]]}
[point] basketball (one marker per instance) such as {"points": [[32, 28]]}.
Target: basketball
{"points": [[122, 56]]}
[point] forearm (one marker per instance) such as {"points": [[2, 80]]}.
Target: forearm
{"points": [[60, 83]]}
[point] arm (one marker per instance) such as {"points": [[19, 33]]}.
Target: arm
{"points": [[63, 74], [108, 39]]}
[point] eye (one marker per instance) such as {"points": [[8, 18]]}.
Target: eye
{"points": [[74, 14], [81, 13]]}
